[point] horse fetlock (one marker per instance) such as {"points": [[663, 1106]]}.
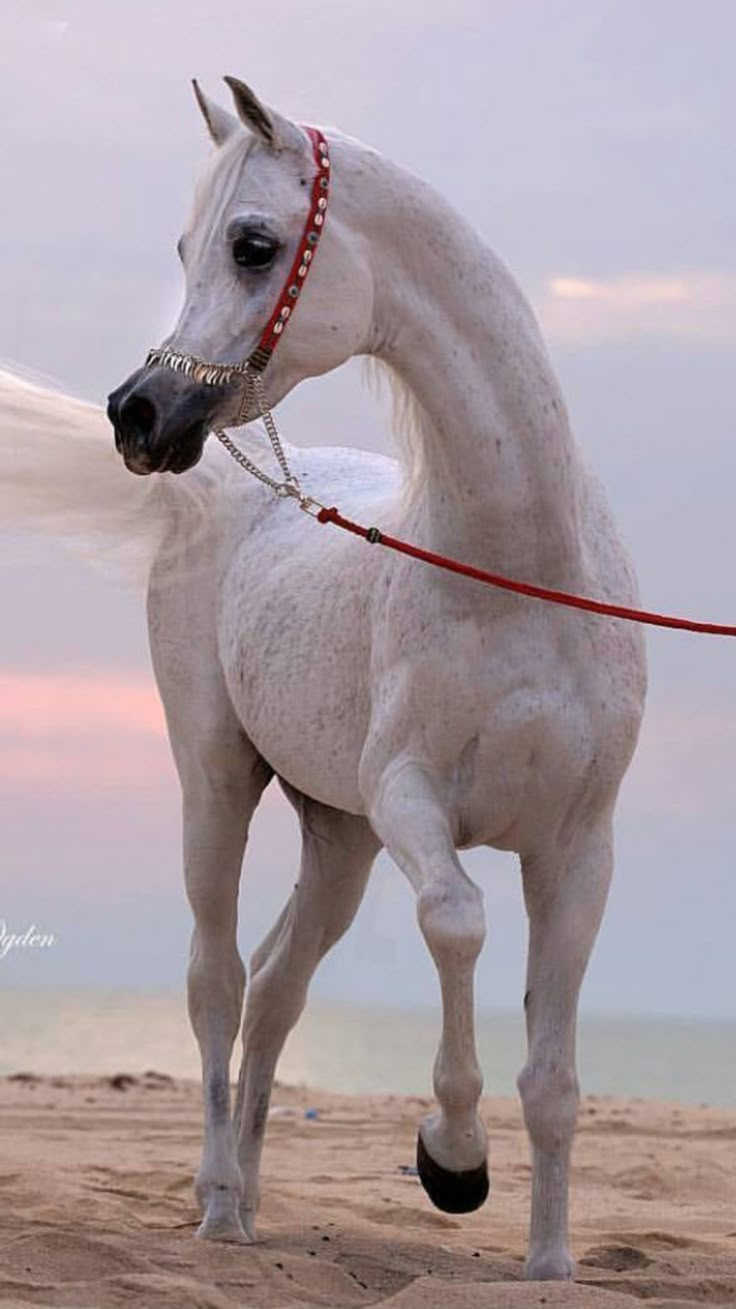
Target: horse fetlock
{"points": [[550, 1096], [248, 1216], [221, 1208], [457, 1141], [550, 1264], [217, 1178], [458, 1089]]}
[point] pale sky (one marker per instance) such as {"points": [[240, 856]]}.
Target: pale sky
{"points": [[591, 142]]}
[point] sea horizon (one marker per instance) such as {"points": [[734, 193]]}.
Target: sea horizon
{"points": [[359, 1048]]}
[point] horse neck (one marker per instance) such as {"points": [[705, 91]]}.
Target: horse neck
{"points": [[494, 469]]}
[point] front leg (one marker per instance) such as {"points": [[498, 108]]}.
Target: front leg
{"points": [[338, 850], [407, 814], [221, 788], [565, 894], [222, 779]]}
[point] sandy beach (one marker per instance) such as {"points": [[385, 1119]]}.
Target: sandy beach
{"points": [[98, 1210]]}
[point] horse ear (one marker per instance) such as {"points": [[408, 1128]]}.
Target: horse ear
{"points": [[220, 124], [277, 132]]}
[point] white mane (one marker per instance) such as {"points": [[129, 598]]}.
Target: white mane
{"points": [[407, 421]]}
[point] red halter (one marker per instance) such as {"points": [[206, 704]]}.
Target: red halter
{"points": [[308, 243], [213, 374]]}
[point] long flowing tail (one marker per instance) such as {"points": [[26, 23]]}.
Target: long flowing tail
{"points": [[60, 474]]}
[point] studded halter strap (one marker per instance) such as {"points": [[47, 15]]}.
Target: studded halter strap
{"points": [[250, 371], [305, 253], [213, 374]]}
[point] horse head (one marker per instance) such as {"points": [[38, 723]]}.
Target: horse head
{"points": [[239, 245]]}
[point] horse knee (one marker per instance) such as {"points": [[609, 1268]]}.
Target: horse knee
{"points": [[452, 920], [549, 1094], [215, 987], [211, 967]]}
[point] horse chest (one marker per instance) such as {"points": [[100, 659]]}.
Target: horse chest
{"points": [[329, 686], [500, 725]]}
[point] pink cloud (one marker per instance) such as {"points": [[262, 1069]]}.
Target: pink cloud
{"points": [[81, 731], [79, 704], [92, 731], [693, 304]]}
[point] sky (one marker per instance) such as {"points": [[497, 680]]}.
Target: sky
{"points": [[590, 142]]}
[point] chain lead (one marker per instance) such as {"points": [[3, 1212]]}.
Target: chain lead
{"points": [[274, 435], [253, 384]]}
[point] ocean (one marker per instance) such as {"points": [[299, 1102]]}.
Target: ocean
{"points": [[362, 1050]]}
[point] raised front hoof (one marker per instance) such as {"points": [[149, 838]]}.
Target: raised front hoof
{"points": [[453, 1193], [550, 1266]]}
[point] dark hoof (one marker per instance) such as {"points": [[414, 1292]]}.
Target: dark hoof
{"points": [[453, 1193]]}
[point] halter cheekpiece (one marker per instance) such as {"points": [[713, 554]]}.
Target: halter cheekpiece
{"points": [[250, 371], [214, 374]]}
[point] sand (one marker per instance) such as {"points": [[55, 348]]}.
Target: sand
{"points": [[97, 1207]]}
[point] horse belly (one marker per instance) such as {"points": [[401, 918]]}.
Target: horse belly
{"points": [[295, 654]]}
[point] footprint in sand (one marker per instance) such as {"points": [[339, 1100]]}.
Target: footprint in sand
{"points": [[615, 1258], [407, 1217]]}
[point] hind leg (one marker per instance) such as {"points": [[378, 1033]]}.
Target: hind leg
{"points": [[337, 854]]}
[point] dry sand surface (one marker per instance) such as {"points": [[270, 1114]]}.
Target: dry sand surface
{"points": [[97, 1207]]}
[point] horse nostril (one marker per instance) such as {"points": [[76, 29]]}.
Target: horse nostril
{"points": [[137, 417]]}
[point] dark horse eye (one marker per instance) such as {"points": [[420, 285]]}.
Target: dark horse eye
{"points": [[254, 251]]}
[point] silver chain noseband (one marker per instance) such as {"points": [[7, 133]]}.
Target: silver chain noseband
{"points": [[221, 374]]}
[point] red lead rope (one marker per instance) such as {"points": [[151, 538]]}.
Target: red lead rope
{"points": [[375, 537]]}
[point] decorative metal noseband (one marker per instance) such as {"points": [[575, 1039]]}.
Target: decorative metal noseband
{"points": [[198, 369]]}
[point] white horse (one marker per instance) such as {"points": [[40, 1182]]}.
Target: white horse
{"points": [[397, 705]]}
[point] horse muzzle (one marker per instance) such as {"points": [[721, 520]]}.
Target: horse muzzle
{"points": [[161, 419]]}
